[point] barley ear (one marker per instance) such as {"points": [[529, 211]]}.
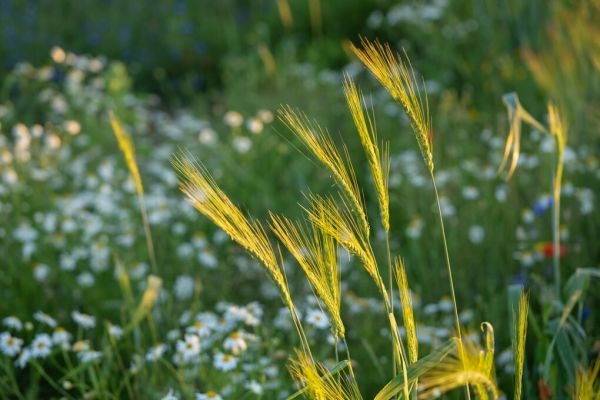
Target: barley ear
{"points": [[378, 160], [407, 310]]}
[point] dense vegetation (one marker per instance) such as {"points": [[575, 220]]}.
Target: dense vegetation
{"points": [[474, 235]]}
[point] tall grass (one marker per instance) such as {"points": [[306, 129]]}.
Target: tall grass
{"points": [[342, 220]]}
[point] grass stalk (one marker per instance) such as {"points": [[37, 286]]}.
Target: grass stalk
{"points": [[450, 278]]}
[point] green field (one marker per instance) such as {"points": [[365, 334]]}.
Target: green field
{"points": [[299, 199]]}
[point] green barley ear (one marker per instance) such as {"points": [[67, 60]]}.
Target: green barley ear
{"points": [[319, 142], [316, 254], [378, 160], [407, 311], [519, 337], [397, 75]]}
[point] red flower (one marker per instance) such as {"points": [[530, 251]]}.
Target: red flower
{"points": [[549, 250], [544, 390]]}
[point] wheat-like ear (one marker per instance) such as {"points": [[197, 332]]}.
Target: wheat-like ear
{"points": [[398, 77], [469, 365], [320, 384], [516, 115], [341, 224], [378, 160], [148, 299], [316, 254], [205, 195], [559, 131], [586, 382], [407, 311], [128, 150], [519, 336], [319, 142]]}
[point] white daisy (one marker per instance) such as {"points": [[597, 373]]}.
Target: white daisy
{"points": [[83, 320], [254, 387], [10, 345], [317, 318], [41, 346], [225, 362], [189, 348], [115, 331], [44, 318], [235, 342], [184, 287], [23, 359], [210, 395], [87, 356], [61, 337], [13, 322], [156, 352]]}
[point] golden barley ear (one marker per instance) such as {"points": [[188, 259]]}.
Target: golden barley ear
{"points": [[344, 226], [469, 365], [397, 75], [128, 150], [321, 145], [319, 383], [516, 116], [205, 195], [148, 299], [586, 382], [558, 129], [407, 310], [316, 254], [378, 160], [519, 338]]}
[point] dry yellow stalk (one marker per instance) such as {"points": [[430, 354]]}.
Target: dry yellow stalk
{"points": [[378, 162]]}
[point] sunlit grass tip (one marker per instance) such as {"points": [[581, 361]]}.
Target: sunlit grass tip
{"points": [[204, 194], [470, 365], [316, 254], [519, 338], [321, 384], [379, 160], [397, 75], [407, 310], [321, 145]]}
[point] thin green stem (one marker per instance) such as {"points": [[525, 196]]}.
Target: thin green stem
{"points": [[147, 233], [556, 242], [450, 278], [391, 294]]}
